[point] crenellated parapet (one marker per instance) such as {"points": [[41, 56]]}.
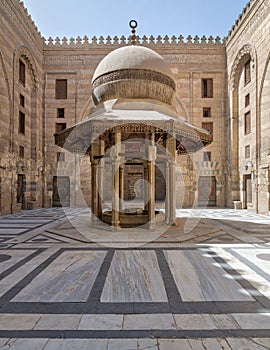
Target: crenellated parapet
{"points": [[245, 13], [115, 41], [15, 8]]}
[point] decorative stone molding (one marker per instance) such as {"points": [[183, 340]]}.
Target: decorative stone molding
{"points": [[247, 51], [115, 42], [133, 83], [136, 74]]}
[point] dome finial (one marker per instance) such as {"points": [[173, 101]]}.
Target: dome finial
{"points": [[133, 25]]}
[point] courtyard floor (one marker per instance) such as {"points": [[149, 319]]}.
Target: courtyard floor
{"points": [[202, 284]]}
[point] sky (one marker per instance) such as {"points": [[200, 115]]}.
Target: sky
{"points": [[155, 17]]}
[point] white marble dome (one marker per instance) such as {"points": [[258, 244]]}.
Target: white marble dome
{"points": [[133, 72]]}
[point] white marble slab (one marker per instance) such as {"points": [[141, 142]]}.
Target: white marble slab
{"points": [[74, 344], [253, 255], [149, 321], [69, 278], [256, 279], [101, 322], [205, 321], [148, 344], [12, 231], [134, 276], [249, 344], [211, 344], [52, 322], [253, 321], [25, 344], [12, 279], [122, 344], [16, 256], [18, 321], [174, 344], [198, 278]]}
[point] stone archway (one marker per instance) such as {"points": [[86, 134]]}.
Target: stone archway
{"points": [[264, 142], [6, 195], [264, 115], [246, 53], [31, 110]]}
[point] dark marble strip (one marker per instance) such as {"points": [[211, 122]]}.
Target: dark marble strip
{"points": [[173, 295], [96, 291], [208, 307], [131, 334]]}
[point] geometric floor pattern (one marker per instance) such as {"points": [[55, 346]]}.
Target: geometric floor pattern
{"points": [[206, 289]]}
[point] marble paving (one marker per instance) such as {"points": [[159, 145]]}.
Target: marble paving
{"points": [[134, 276], [203, 288]]}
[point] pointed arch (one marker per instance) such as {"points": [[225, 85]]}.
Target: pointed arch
{"points": [[23, 51], [264, 113], [245, 53], [8, 92]]}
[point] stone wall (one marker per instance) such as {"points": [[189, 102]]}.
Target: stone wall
{"points": [[191, 60], [249, 40], [20, 40]]}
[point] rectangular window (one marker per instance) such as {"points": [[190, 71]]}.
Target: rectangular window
{"points": [[247, 72], [60, 112], [21, 151], [207, 88], [208, 126], [61, 88], [247, 151], [247, 100], [21, 122], [21, 100], [60, 156], [60, 126], [207, 156], [206, 112], [247, 123], [22, 72]]}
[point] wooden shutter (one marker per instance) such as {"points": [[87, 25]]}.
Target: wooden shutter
{"points": [[247, 72], [22, 72], [61, 89]]}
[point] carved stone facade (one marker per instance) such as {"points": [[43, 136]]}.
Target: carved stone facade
{"points": [[211, 92]]}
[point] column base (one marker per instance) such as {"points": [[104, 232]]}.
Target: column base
{"points": [[115, 228], [151, 226]]}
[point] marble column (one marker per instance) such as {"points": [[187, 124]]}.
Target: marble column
{"points": [[94, 190], [167, 198], [100, 177], [151, 179], [94, 180], [146, 185], [115, 181], [121, 186], [172, 196], [170, 180]]}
